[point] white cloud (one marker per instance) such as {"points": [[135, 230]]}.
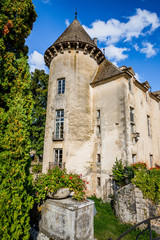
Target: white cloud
{"points": [[36, 60], [137, 76], [115, 54], [148, 49], [109, 32], [142, 23], [67, 22], [46, 1], [136, 47]]}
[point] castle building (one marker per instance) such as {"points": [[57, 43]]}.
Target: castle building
{"points": [[96, 112]]}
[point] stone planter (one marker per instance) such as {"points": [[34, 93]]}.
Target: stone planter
{"points": [[60, 194]]}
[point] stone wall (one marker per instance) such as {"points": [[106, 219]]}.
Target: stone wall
{"points": [[131, 207]]}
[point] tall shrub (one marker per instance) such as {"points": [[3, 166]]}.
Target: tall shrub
{"points": [[39, 84], [16, 20]]}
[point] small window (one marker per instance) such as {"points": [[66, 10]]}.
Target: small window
{"points": [[151, 160], [147, 96], [59, 124], [61, 86], [98, 181], [98, 129], [98, 113], [131, 114], [132, 128], [149, 125], [129, 85], [134, 158], [98, 158], [58, 155]]}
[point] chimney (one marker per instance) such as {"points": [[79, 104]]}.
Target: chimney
{"points": [[95, 41]]}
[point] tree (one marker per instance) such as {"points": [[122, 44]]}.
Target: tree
{"points": [[39, 84], [16, 21]]}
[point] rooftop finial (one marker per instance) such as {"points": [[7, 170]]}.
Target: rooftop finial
{"points": [[76, 14]]}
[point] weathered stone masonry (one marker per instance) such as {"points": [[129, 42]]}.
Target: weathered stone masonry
{"points": [[132, 207], [96, 112]]}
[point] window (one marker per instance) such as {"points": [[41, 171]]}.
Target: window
{"points": [[98, 130], [132, 128], [131, 114], [129, 85], [98, 158], [149, 125], [61, 86], [98, 113], [151, 160], [133, 158], [58, 154], [147, 96], [59, 124], [98, 181]]}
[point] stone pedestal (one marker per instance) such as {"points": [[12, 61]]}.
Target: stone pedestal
{"points": [[66, 219]]}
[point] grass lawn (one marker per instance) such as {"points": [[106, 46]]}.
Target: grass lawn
{"points": [[106, 225]]}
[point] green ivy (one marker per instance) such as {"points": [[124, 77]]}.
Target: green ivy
{"points": [[149, 183]]}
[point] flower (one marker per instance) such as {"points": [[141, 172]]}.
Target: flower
{"points": [[55, 179], [87, 182]]}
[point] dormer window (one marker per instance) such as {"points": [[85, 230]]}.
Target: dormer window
{"points": [[61, 86]]}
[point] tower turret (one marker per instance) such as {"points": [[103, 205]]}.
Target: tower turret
{"points": [[73, 60]]}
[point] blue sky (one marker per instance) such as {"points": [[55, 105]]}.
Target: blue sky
{"points": [[128, 30]]}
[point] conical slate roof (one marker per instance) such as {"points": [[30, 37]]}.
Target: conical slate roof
{"points": [[74, 37], [75, 33]]}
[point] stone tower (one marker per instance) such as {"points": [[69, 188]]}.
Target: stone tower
{"points": [[73, 60]]}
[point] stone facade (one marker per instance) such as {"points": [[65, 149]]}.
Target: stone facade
{"points": [[107, 113], [131, 207], [65, 219]]}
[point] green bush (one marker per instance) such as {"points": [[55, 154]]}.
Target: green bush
{"points": [[55, 179], [37, 168], [119, 172], [149, 183]]}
